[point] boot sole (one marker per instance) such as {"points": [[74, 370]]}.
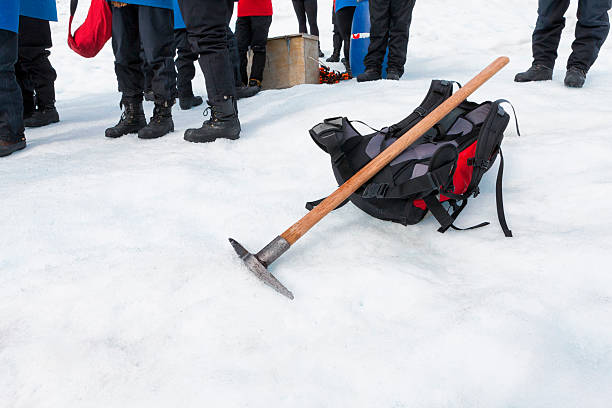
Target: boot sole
{"points": [[42, 124], [145, 137], [122, 134], [198, 140]]}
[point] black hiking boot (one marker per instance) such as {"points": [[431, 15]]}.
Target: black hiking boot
{"points": [[335, 57], [244, 91], [369, 75], [575, 77], [149, 96], [8, 147], [188, 102], [393, 75], [132, 119], [161, 122], [42, 117], [223, 123], [536, 72]]}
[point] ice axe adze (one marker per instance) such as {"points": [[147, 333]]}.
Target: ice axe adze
{"points": [[259, 263]]}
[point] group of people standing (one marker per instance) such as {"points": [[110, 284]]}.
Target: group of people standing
{"points": [[146, 35]]}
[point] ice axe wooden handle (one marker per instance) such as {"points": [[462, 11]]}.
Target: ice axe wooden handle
{"points": [[258, 263], [297, 230]]}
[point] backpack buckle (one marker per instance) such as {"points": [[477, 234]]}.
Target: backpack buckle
{"points": [[420, 111], [375, 190]]}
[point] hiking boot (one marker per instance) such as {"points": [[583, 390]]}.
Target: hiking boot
{"points": [[188, 102], [9, 147], [321, 55], [244, 91], [575, 77], [370, 75], [335, 57], [161, 122], [536, 72], [149, 96], [132, 120], [393, 75], [42, 117], [223, 122]]}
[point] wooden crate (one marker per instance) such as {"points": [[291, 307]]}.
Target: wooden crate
{"points": [[290, 60]]}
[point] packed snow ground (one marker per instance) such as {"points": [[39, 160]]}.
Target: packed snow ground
{"points": [[118, 287]]}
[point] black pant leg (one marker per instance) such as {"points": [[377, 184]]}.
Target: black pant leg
{"points": [[547, 33], [344, 18], [35, 72], [232, 45], [260, 26], [399, 31], [591, 32], [380, 21], [310, 6], [206, 22], [11, 104], [27, 88], [126, 47], [185, 68], [243, 40], [300, 13], [40, 73], [156, 28]]}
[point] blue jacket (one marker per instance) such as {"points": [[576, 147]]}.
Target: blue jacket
{"points": [[178, 17], [167, 4], [41, 9], [345, 3], [9, 17], [12, 9]]}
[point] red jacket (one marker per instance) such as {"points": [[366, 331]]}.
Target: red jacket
{"points": [[247, 8]]}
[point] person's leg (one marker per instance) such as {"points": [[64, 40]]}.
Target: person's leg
{"points": [[35, 39], [591, 32], [260, 27], [399, 31], [300, 13], [26, 86], [380, 20], [185, 69], [128, 69], [232, 45], [547, 33], [337, 40], [126, 47], [156, 28], [206, 22], [243, 40], [310, 7], [41, 75], [11, 105], [344, 18]]}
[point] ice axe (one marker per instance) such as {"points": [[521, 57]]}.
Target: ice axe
{"points": [[258, 263]]}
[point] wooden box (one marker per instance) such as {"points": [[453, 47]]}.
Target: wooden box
{"points": [[290, 60]]}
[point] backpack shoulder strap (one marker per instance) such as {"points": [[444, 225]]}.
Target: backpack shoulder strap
{"points": [[439, 91]]}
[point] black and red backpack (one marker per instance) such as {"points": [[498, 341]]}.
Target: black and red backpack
{"points": [[438, 173]]}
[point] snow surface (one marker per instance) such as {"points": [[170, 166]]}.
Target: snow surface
{"points": [[118, 287]]}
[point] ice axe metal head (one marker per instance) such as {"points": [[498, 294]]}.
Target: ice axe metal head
{"points": [[258, 263]]}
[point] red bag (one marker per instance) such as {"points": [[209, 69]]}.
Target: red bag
{"points": [[90, 37]]}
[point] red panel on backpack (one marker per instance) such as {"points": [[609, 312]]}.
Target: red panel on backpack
{"points": [[461, 178], [91, 36]]}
